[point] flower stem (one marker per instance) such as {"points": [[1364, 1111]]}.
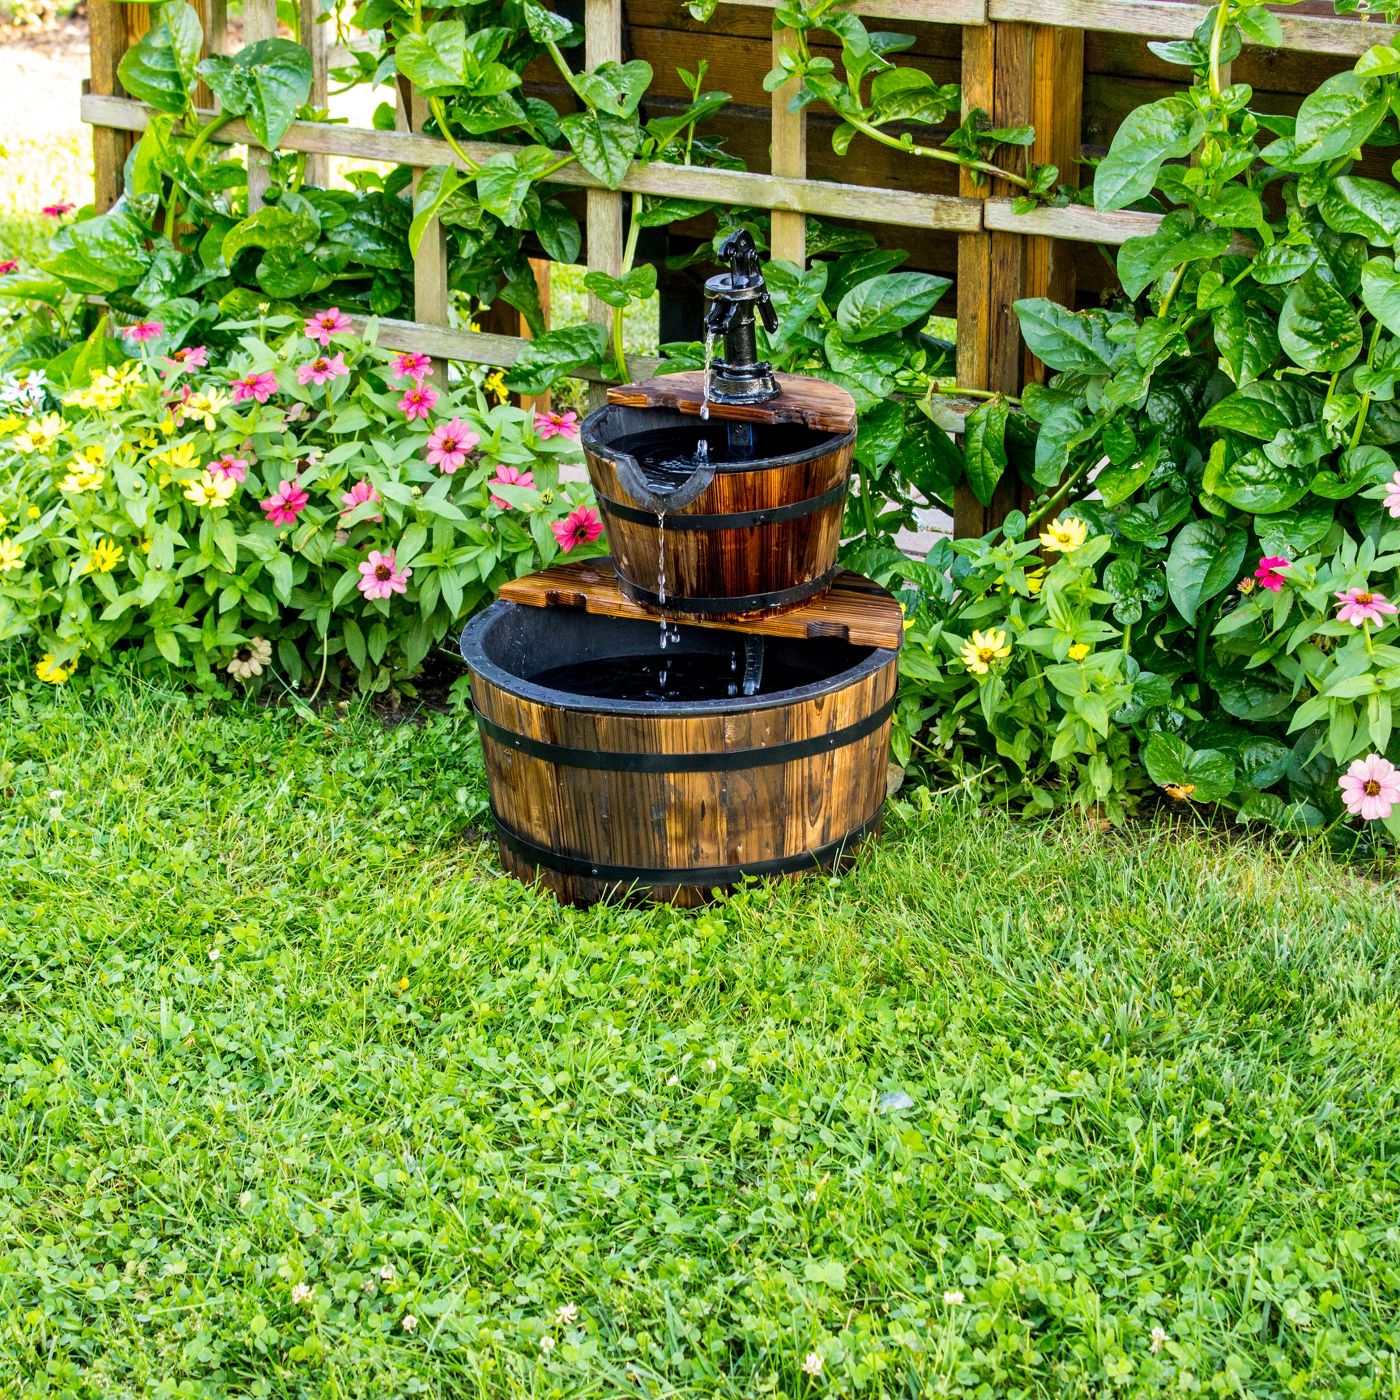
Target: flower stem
{"points": [[1217, 38], [984, 167]]}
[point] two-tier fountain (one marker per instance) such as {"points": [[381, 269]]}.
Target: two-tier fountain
{"points": [[747, 733]]}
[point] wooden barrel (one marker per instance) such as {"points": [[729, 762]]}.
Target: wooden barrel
{"points": [[732, 539], [597, 797]]}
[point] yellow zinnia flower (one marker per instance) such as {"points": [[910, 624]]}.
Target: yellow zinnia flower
{"points": [[203, 407], [181, 457], [1064, 534], [40, 433], [211, 492], [1079, 651], [81, 478], [983, 648], [1035, 581], [11, 556], [495, 384], [105, 556], [52, 671]]}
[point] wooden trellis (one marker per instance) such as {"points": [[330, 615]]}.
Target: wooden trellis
{"points": [[1021, 60]]}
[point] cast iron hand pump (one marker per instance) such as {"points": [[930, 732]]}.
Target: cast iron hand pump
{"points": [[740, 376]]}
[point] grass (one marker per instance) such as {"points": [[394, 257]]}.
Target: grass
{"points": [[272, 1017]]}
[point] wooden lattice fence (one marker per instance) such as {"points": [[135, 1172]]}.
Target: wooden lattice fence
{"points": [[1023, 61]]}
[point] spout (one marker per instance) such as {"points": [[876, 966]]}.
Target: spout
{"points": [[718, 317]]}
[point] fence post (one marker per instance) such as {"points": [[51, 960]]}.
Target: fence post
{"points": [[1019, 73], [112, 29], [602, 41], [788, 235], [315, 41], [259, 22], [432, 297]]}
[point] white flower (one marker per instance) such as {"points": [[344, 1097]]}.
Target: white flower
{"points": [[813, 1363], [301, 1293], [409, 1323], [546, 1344], [567, 1314], [386, 1273], [711, 1066], [213, 955], [1159, 1339], [249, 659], [954, 1298]]}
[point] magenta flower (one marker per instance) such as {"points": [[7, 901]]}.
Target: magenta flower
{"points": [[285, 504], [580, 526], [143, 331], [322, 370], [1359, 606], [1268, 572], [189, 357], [412, 364], [380, 576], [57, 211], [325, 324], [255, 386], [359, 494], [509, 476], [229, 467], [8, 266], [548, 425], [1392, 496], [418, 401], [448, 445], [1371, 787]]}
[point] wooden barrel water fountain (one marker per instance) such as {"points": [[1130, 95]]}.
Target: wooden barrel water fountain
{"points": [[748, 732]]}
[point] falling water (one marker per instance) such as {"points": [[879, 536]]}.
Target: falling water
{"points": [[710, 338]]}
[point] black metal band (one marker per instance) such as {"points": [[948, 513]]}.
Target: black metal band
{"points": [[727, 761], [736, 520], [752, 602], [694, 875]]}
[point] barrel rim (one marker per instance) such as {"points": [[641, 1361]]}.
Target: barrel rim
{"points": [[473, 648], [833, 443]]}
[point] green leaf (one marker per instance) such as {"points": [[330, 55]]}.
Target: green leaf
{"points": [[1179, 239], [1257, 483], [1357, 468], [1264, 409], [558, 231], [1148, 136], [275, 226], [615, 88], [637, 285], [1380, 291], [543, 361], [435, 187], [1318, 328], [504, 181], [888, 303], [984, 448], [434, 62], [1208, 773], [545, 26], [604, 144], [1338, 117], [1066, 340], [1205, 560], [265, 82], [160, 67], [1353, 204]]}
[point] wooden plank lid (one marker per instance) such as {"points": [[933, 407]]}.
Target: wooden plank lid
{"points": [[812, 402], [852, 610]]}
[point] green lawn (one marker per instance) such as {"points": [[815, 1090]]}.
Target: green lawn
{"points": [[972, 1120]]}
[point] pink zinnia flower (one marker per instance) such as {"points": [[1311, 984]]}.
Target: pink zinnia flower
{"points": [[509, 476], [360, 493], [1371, 787], [8, 266], [448, 445], [1392, 496], [230, 467], [57, 211], [1268, 572], [143, 331], [325, 324], [412, 364], [418, 401], [548, 425], [379, 576], [580, 526], [285, 504], [190, 356], [255, 386], [1360, 606], [322, 370]]}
